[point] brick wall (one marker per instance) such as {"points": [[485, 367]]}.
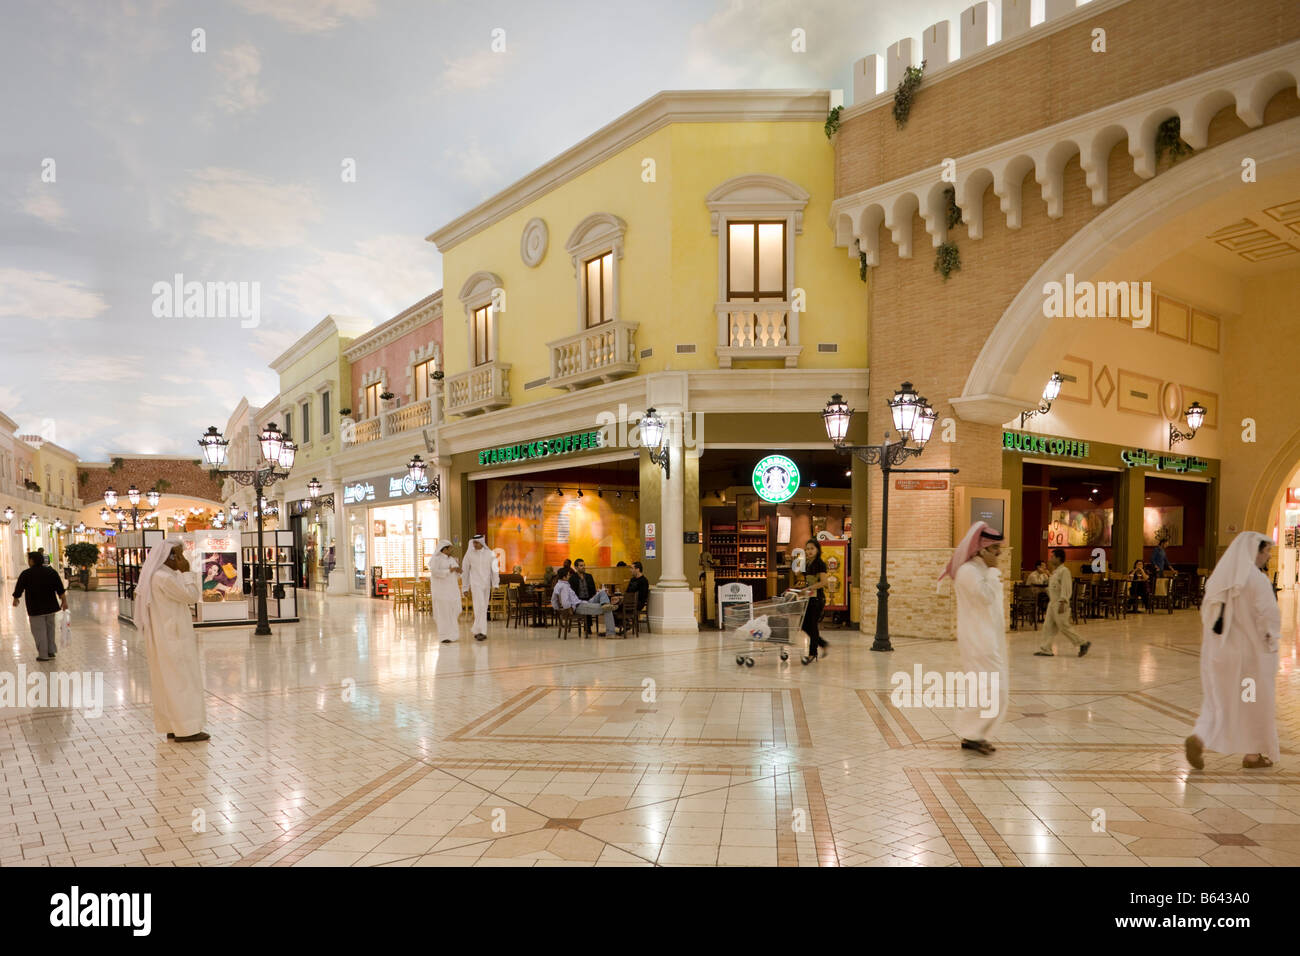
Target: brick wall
{"points": [[183, 476], [916, 609], [1150, 43]]}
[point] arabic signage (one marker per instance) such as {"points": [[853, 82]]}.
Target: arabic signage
{"points": [[1045, 445], [545, 448], [1178, 464], [921, 484]]}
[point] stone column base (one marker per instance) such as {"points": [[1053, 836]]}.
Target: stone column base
{"points": [[916, 609], [672, 611]]}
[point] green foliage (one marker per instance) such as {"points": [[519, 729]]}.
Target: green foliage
{"points": [[82, 477], [162, 484], [82, 554], [1169, 139], [833, 122], [862, 266], [117, 464], [947, 259], [954, 211], [906, 92]]}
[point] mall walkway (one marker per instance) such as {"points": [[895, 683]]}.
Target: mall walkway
{"points": [[352, 738]]}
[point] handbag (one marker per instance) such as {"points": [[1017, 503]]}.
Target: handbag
{"points": [[65, 628]]}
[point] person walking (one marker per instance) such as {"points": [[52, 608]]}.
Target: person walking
{"points": [[1240, 630], [163, 596], [479, 576], [814, 585], [981, 629], [43, 589], [1060, 588], [445, 593]]}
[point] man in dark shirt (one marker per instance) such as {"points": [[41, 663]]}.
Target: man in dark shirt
{"points": [[639, 586], [45, 596]]}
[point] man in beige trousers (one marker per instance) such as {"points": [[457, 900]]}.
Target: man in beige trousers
{"points": [[1060, 588]]}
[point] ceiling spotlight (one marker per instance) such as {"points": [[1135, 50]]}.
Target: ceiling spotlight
{"points": [[813, 483], [558, 492], [600, 492], [618, 494], [848, 473]]}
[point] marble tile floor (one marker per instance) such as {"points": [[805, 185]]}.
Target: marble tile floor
{"points": [[355, 739]]}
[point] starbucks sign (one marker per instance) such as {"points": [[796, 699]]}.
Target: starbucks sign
{"points": [[776, 479]]}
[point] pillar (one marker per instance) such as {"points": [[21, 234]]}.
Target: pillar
{"points": [[859, 482], [1129, 502], [672, 602]]}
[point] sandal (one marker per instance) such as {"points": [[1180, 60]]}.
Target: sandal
{"points": [[1257, 764], [1193, 748], [979, 746]]}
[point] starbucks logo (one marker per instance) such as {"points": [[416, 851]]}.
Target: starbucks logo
{"points": [[776, 479]]}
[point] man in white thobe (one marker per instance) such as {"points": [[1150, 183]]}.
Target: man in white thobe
{"points": [[163, 596], [1060, 589], [479, 578], [445, 593], [981, 630], [1240, 629]]}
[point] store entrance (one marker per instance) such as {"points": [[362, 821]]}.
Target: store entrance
{"points": [[1070, 508]]}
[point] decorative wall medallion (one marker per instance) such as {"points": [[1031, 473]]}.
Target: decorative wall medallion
{"points": [[532, 244]]}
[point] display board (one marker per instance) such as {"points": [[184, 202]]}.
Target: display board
{"points": [[280, 559], [835, 553], [132, 548]]}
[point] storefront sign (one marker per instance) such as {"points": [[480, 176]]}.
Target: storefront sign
{"points": [[1044, 445], [401, 486], [776, 479], [1141, 458], [546, 448], [358, 492], [921, 484]]}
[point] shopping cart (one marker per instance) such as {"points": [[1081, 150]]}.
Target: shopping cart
{"points": [[775, 621]]}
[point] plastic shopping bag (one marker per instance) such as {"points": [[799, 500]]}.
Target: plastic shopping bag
{"points": [[756, 630], [65, 628]]}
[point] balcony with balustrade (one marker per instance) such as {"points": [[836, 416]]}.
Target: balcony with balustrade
{"points": [[758, 330], [601, 353], [391, 422], [481, 389]]}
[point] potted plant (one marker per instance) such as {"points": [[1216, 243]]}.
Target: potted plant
{"points": [[83, 556], [387, 399]]}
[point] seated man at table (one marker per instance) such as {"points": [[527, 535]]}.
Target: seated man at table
{"points": [[638, 588], [1039, 576], [564, 597]]}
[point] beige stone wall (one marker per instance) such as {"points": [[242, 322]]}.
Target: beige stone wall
{"points": [[916, 609]]}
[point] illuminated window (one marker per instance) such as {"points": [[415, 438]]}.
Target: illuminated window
{"points": [[599, 289], [371, 407], [756, 261], [483, 335], [420, 373]]}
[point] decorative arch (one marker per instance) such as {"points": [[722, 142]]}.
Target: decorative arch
{"points": [[1264, 498], [1190, 184], [479, 285], [757, 194]]}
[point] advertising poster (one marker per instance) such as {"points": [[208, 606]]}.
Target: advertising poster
{"points": [[220, 574], [1162, 526], [540, 530], [1080, 529], [835, 553]]}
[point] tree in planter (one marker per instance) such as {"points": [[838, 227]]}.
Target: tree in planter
{"points": [[83, 556]]}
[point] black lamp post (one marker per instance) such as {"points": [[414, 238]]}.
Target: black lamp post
{"points": [[418, 470], [277, 459], [914, 420], [133, 496]]}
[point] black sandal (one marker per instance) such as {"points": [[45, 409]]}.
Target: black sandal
{"points": [[979, 746]]}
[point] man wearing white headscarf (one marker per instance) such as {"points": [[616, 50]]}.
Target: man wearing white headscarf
{"points": [[479, 578], [981, 628], [1240, 629], [163, 596], [445, 593]]}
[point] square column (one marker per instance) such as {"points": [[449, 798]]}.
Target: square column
{"points": [[672, 602]]}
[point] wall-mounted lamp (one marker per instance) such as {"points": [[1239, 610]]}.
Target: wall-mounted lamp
{"points": [[1195, 415], [653, 434], [1050, 392]]}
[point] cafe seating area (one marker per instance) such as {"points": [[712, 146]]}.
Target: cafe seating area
{"points": [[526, 604], [1110, 594]]}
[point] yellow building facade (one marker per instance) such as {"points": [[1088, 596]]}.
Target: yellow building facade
{"points": [[678, 259]]}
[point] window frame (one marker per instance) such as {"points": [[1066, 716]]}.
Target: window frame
{"points": [[759, 294], [325, 429], [598, 235], [478, 293], [755, 198], [371, 409], [305, 409]]}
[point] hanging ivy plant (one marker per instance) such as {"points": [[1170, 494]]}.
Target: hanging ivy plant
{"points": [[954, 211], [833, 122], [1169, 138], [907, 88], [947, 259], [862, 266]]}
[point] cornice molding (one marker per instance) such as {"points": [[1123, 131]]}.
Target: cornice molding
{"points": [[344, 326], [662, 109], [428, 309]]}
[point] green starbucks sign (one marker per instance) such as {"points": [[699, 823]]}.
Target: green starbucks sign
{"points": [[776, 479]]}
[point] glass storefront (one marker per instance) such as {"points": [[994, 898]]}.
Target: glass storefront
{"points": [[389, 527]]}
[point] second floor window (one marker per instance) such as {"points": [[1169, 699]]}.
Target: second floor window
{"points": [[372, 399], [324, 413], [482, 335], [288, 424], [420, 374], [756, 261], [599, 289], [306, 421]]}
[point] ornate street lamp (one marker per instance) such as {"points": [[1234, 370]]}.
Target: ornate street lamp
{"points": [[1050, 391], [8, 515], [277, 459], [914, 420], [152, 497], [654, 431], [417, 469], [133, 495], [110, 498], [313, 488], [1195, 415]]}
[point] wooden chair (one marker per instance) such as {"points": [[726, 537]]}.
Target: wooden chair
{"points": [[423, 597], [1024, 605], [1198, 590], [1079, 602], [497, 604], [564, 621], [514, 612], [1161, 596], [402, 591], [1119, 598], [466, 606]]}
